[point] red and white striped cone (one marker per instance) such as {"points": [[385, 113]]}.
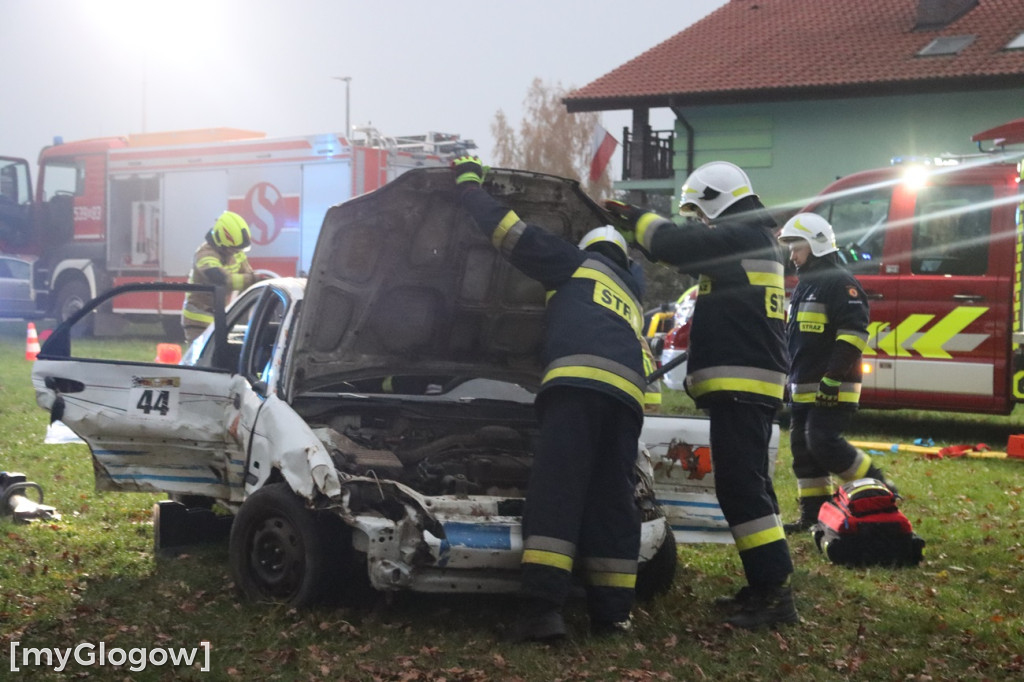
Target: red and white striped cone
{"points": [[31, 343]]}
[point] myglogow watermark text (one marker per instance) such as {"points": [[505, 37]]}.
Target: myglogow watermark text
{"points": [[89, 655]]}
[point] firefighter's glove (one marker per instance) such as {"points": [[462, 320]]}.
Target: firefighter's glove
{"points": [[469, 171], [624, 218], [828, 393]]}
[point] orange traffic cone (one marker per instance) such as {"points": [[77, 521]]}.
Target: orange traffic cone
{"points": [[32, 343], [168, 353]]}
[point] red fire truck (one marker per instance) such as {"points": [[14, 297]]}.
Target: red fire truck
{"points": [[937, 247], [114, 210]]}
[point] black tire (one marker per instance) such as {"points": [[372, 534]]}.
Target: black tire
{"points": [[192, 501], [277, 550], [72, 297], [655, 577]]}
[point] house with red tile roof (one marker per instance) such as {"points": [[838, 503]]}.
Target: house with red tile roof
{"points": [[800, 92]]}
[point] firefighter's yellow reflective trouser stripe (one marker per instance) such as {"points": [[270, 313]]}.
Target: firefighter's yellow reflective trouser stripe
{"points": [[815, 487], [610, 572], [507, 233], [546, 551], [757, 533], [755, 380], [859, 468], [603, 370], [849, 392]]}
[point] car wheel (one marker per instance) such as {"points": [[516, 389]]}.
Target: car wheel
{"points": [[277, 552], [655, 577]]}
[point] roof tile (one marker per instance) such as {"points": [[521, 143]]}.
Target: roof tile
{"points": [[785, 45]]}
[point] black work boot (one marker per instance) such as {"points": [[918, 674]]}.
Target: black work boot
{"points": [[608, 628], [734, 602], [769, 606], [809, 507], [538, 621]]}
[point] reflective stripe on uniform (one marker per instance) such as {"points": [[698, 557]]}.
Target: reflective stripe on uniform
{"points": [[849, 392], [757, 533], [596, 368], [857, 339], [610, 572], [209, 262], [755, 380], [644, 233], [811, 317], [815, 487], [547, 551], [764, 273], [196, 316], [859, 468], [596, 270], [507, 233]]}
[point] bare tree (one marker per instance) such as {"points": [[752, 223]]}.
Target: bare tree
{"points": [[550, 139]]}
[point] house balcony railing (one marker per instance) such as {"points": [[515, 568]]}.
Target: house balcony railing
{"points": [[656, 158]]}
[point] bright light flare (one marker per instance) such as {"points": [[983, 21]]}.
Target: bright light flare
{"points": [[915, 176], [182, 32]]}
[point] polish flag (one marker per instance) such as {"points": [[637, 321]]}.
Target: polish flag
{"points": [[602, 146]]}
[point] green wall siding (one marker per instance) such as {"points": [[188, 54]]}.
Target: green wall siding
{"points": [[792, 150]]}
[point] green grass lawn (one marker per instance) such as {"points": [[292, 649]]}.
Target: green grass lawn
{"points": [[92, 577]]}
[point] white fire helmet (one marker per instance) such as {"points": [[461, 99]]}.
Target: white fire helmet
{"points": [[814, 229], [727, 184], [604, 234]]}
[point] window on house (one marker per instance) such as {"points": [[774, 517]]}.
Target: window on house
{"points": [[1017, 43], [945, 45]]}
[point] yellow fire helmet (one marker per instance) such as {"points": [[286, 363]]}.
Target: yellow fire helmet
{"points": [[231, 231]]}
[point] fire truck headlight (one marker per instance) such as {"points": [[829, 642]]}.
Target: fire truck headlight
{"points": [[915, 177]]}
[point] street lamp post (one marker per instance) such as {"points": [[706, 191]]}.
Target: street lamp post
{"points": [[347, 80]]}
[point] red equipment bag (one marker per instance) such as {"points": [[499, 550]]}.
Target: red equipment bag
{"points": [[862, 526]]}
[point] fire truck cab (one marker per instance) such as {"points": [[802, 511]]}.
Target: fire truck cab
{"points": [[118, 210], [936, 244]]}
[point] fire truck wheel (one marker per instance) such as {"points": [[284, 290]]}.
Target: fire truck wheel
{"points": [[277, 550], [71, 297]]}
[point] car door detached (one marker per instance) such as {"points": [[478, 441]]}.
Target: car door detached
{"points": [[150, 426]]}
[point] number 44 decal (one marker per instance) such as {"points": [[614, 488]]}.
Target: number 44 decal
{"points": [[154, 398], [151, 400]]}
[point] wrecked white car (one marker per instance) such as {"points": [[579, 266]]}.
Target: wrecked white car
{"points": [[370, 428]]}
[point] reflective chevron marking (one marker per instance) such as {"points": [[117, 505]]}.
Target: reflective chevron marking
{"points": [[936, 342]]}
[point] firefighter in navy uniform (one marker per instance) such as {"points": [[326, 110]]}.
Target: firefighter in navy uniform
{"points": [[580, 508], [827, 330], [737, 364], [220, 260]]}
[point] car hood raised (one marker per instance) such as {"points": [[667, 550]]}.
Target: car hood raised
{"points": [[403, 283]]}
